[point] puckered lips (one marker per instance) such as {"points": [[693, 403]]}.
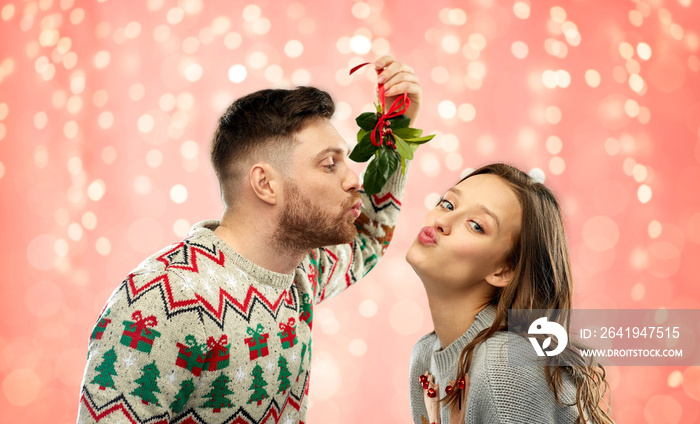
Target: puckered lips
{"points": [[428, 236], [355, 209]]}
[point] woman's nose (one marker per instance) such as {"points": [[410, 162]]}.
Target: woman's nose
{"points": [[442, 225]]}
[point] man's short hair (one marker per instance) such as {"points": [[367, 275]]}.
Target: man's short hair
{"points": [[263, 123]]}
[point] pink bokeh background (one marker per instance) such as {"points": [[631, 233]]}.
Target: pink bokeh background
{"points": [[107, 108]]}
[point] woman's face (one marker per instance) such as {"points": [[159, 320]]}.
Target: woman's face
{"points": [[467, 236]]}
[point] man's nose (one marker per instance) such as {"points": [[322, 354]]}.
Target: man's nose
{"points": [[352, 181]]}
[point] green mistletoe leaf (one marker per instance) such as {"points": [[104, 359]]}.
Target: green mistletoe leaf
{"points": [[360, 134], [399, 122], [420, 140], [402, 148], [407, 133], [388, 161], [379, 170], [364, 150], [372, 182], [367, 121]]}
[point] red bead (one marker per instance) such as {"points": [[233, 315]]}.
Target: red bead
{"points": [[423, 378], [387, 123], [431, 393], [460, 384], [449, 389], [425, 384]]}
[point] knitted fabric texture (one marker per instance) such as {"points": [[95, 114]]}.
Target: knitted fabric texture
{"points": [[498, 392], [199, 334]]}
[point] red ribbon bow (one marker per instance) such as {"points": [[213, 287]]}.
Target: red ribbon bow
{"points": [[143, 323], [398, 107], [289, 324], [212, 343]]}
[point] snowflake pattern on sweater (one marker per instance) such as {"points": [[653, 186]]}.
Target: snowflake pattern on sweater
{"points": [[199, 334]]}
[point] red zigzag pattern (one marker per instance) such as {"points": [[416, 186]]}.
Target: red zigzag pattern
{"points": [[216, 311], [123, 407]]}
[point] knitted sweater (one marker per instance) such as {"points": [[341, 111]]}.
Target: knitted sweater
{"points": [[199, 334], [498, 392]]}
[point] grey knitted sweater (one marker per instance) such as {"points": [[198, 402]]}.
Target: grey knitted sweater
{"points": [[498, 392]]}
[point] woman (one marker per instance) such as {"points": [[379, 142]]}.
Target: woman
{"points": [[495, 242]]}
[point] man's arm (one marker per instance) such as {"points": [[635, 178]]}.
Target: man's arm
{"points": [[333, 268]]}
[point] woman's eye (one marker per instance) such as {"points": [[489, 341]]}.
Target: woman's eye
{"points": [[476, 227], [446, 204]]}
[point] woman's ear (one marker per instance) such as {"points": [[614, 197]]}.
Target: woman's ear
{"points": [[263, 180], [502, 277]]}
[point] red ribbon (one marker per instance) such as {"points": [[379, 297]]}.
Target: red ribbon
{"points": [[143, 323], [288, 326], [398, 107], [212, 343]]}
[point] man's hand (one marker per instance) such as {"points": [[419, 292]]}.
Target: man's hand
{"points": [[399, 78]]}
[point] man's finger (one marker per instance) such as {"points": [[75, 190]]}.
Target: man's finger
{"points": [[403, 87]]}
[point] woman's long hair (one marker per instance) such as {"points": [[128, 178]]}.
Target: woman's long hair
{"points": [[542, 280]]}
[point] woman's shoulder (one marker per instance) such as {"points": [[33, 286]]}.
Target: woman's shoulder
{"points": [[427, 340], [507, 355], [425, 345]]}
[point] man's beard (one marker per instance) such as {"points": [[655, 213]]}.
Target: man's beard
{"points": [[304, 225]]}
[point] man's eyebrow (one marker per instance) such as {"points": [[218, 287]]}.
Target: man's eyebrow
{"points": [[334, 150]]}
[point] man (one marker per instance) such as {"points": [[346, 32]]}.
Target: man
{"points": [[217, 328]]}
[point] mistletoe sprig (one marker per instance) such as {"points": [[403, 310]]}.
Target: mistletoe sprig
{"points": [[386, 139]]}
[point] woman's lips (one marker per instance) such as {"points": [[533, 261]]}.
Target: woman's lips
{"points": [[427, 236]]}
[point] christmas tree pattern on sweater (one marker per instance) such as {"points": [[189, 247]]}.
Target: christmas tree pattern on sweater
{"points": [[196, 333]]}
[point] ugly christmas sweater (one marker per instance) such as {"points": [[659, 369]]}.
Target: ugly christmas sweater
{"points": [[199, 334]]}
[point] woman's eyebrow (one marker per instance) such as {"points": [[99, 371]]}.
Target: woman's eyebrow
{"points": [[490, 213], [482, 207]]}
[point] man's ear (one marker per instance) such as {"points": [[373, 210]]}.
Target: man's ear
{"points": [[263, 179], [501, 277]]}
